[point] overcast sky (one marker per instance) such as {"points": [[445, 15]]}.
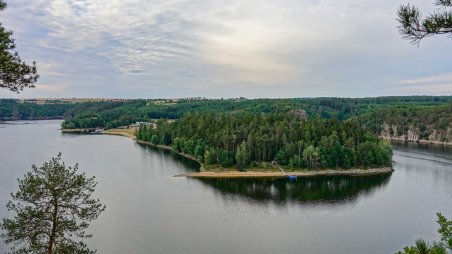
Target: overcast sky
{"points": [[224, 48]]}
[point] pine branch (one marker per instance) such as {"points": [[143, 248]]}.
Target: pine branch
{"points": [[445, 3], [413, 28], [2, 5]]}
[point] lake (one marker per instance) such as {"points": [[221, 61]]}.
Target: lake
{"points": [[150, 211]]}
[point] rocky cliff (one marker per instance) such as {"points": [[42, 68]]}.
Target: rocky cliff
{"points": [[413, 134]]}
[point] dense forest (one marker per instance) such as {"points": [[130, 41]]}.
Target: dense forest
{"points": [[424, 119], [402, 118], [115, 114], [16, 110], [244, 140]]}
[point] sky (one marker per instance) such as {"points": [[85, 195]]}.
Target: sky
{"points": [[224, 48]]}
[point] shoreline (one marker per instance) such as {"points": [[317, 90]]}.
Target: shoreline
{"points": [[312, 173], [420, 141], [168, 148], [37, 118], [77, 131], [130, 133]]}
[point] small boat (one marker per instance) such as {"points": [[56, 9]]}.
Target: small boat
{"points": [[97, 131], [292, 177]]}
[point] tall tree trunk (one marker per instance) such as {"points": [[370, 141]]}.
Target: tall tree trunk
{"points": [[54, 226]]}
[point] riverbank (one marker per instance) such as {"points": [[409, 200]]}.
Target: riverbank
{"points": [[310, 173], [77, 131], [130, 133], [420, 141], [169, 148], [10, 119]]}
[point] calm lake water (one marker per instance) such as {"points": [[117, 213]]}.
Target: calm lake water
{"points": [[150, 211]]}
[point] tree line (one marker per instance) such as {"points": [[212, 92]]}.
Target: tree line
{"points": [[114, 114], [247, 140]]}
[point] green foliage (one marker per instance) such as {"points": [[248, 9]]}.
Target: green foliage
{"points": [[282, 157], [445, 229], [423, 119], [311, 155], [115, 113], [112, 114], [423, 247], [414, 28], [52, 207], [243, 139], [242, 157], [425, 114], [15, 74]]}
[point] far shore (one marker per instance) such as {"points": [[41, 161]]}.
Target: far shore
{"points": [[13, 119], [251, 173], [420, 141]]}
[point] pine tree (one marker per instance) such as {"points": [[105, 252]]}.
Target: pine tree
{"points": [[53, 206], [15, 74], [242, 156]]}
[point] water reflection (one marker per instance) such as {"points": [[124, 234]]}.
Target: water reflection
{"points": [[281, 191], [428, 152], [315, 190], [189, 164]]}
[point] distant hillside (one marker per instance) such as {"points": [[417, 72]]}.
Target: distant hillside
{"points": [[412, 118], [114, 114], [32, 110], [431, 124]]}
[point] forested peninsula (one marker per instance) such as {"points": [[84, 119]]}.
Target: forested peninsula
{"points": [[261, 141]]}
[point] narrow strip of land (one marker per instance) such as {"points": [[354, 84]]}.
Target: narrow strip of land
{"points": [[310, 173]]}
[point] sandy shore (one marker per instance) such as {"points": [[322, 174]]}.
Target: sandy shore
{"points": [[250, 174], [121, 132]]}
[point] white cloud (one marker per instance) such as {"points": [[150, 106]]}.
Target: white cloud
{"points": [[213, 45], [430, 85], [444, 79]]}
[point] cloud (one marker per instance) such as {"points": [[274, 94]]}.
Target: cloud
{"points": [[444, 79], [258, 47], [439, 84], [51, 87]]}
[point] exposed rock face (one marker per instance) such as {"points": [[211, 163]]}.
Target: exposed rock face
{"points": [[300, 113], [413, 134]]}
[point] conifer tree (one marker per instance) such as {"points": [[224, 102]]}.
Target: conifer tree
{"points": [[15, 74], [52, 207]]}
